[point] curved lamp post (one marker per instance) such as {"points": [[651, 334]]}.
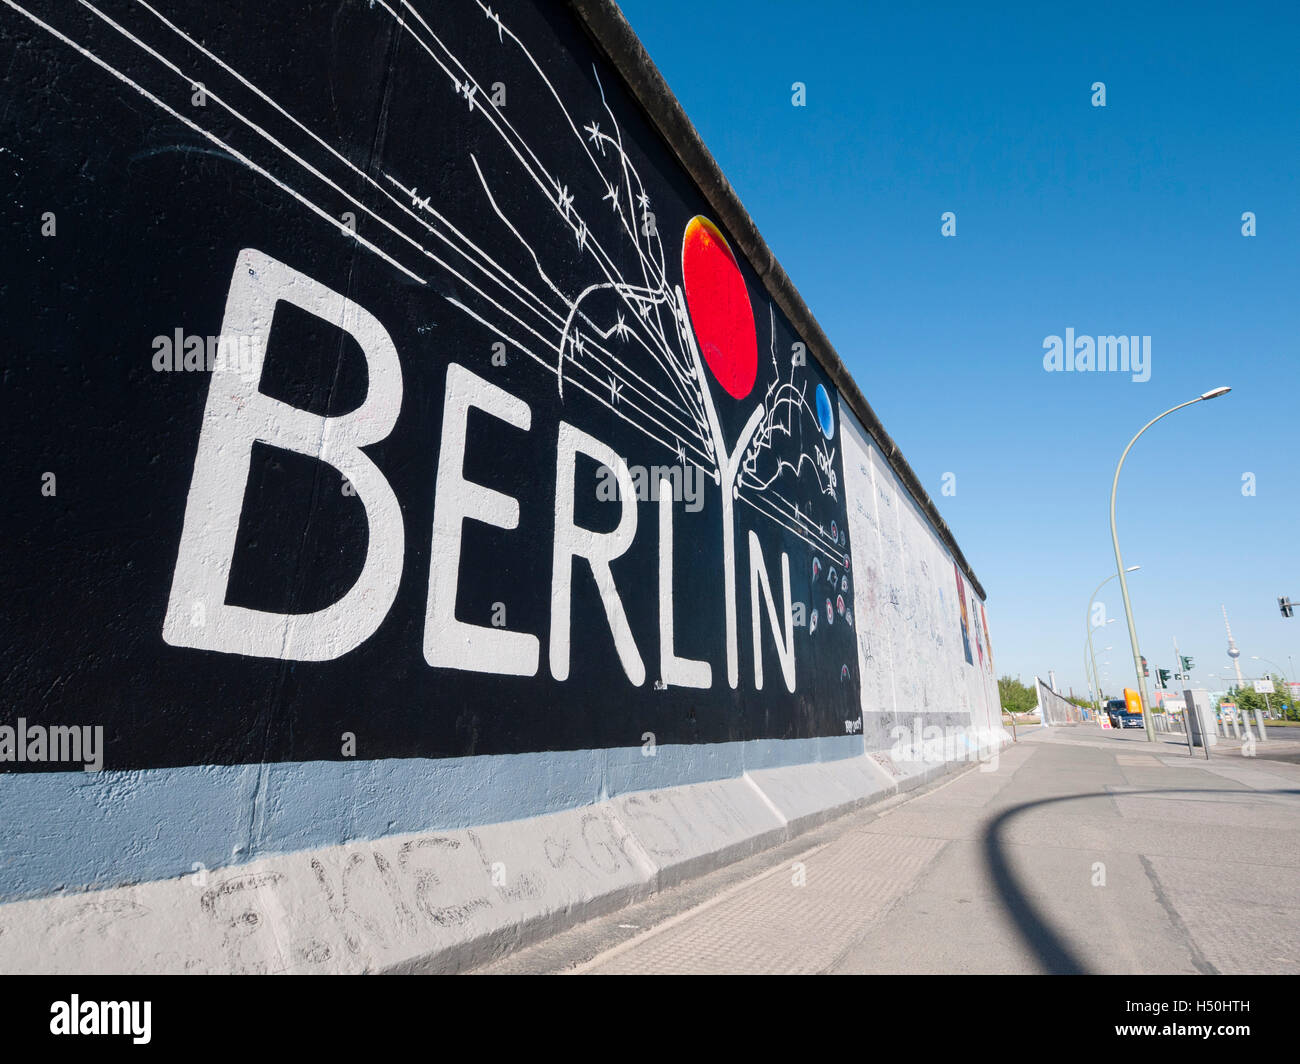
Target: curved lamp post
{"points": [[1087, 621], [1213, 393], [1268, 661]]}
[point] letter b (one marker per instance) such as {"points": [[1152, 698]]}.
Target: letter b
{"points": [[238, 415]]}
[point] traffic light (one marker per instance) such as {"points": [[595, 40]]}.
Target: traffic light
{"points": [[1188, 663], [1284, 604], [1145, 670], [1164, 675]]}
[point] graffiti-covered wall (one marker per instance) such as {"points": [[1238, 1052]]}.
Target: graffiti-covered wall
{"points": [[1053, 709], [384, 397], [924, 648]]}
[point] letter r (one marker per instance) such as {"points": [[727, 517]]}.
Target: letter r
{"points": [[599, 549], [236, 416]]}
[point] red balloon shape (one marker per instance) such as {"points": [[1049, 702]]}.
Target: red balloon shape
{"points": [[718, 302]]}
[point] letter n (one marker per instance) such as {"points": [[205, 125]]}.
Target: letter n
{"points": [[238, 415], [757, 580]]}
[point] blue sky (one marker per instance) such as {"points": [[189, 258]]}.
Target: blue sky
{"points": [[1117, 220]]}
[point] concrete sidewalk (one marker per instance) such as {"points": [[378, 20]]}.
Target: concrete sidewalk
{"points": [[1084, 851]]}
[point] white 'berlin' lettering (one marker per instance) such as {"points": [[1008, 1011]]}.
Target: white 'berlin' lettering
{"points": [[238, 414]]}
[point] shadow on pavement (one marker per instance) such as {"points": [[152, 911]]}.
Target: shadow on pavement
{"points": [[1037, 933]]}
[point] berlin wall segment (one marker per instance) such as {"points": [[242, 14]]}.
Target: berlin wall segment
{"points": [[460, 280]]}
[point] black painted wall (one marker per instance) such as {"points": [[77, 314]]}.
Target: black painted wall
{"points": [[334, 139]]}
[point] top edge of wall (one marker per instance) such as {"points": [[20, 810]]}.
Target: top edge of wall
{"points": [[606, 25]]}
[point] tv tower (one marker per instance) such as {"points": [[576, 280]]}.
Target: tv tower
{"points": [[1233, 652]]}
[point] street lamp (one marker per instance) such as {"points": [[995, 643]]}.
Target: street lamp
{"points": [[1105, 649], [1109, 620], [1090, 673], [1088, 619], [1089, 676], [1213, 393], [1256, 657]]}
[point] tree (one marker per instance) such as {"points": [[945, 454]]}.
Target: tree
{"points": [[1015, 696], [1248, 699]]}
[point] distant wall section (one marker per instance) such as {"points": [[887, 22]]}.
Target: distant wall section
{"points": [[923, 644]]}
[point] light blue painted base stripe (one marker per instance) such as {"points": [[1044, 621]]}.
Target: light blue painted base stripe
{"points": [[73, 831]]}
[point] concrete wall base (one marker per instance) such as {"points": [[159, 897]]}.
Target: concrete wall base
{"points": [[444, 901]]}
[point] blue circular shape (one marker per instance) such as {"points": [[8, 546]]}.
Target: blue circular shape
{"points": [[824, 416]]}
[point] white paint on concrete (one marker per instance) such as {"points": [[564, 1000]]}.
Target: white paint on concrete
{"points": [[439, 901]]}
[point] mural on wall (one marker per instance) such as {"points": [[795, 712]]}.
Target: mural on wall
{"points": [[380, 374], [965, 622], [988, 641]]}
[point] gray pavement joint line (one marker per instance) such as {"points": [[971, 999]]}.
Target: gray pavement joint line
{"points": [[673, 921], [1198, 958]]}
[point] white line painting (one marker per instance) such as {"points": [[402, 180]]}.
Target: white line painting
{"points": [[632, 337]]}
